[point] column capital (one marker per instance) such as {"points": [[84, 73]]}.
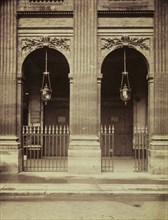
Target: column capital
{"points": [[70, 76], [19, 80], [150, 78]]}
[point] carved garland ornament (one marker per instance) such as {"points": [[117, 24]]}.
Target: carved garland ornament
{"points": [[125, 41], [29, 44]]}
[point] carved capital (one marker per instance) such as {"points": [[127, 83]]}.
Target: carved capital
{"points": [[150, 79], [19, 80], [128, 41], [99, 78], [70, 76]]}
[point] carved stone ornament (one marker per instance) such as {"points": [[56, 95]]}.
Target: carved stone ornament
{"points": [[30, 44], [125, 41]]}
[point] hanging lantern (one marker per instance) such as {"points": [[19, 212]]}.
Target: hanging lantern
{"points": [[46, 90], [125, 90]]}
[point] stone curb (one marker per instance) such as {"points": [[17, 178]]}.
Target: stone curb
{"points": [[69, 191], [65, 196]]}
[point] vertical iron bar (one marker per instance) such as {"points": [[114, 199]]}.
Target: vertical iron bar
{"points": [[45, 145], [24, 147], [134, 145], [52, 146], [146, 148], [60, 156], [101, 145], [49, 146], [38, 151], [33, 148], [143, 149], [57, 146], [64, 133], [113, 147], [109, 152], [31, 138], [29, 142], [105, 135], [67, 144], [138, 149], [42, 146]]}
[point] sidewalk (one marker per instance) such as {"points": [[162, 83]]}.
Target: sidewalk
{"points": [[68, 186]]}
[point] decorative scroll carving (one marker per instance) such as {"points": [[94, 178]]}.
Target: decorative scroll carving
{"points": [[30, 44], [125, 41]]}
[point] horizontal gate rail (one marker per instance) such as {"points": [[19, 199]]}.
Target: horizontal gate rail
{"points": [[140, 145], [45, 148], [107, 148]]}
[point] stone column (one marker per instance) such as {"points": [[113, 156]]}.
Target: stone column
{"points": [[8, 125], [84, 149], [158, 153]]}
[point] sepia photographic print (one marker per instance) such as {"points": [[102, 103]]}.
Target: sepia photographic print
{"points": [[83, 109]]}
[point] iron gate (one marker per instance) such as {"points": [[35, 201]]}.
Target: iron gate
{"points": [[107, 148], [140, 148], [45, 148], [140, 145]]}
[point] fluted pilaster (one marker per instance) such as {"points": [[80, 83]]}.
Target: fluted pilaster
{"points": [[8, 31], [158, 150], [84, 155], [161, 67], [84, 112]]}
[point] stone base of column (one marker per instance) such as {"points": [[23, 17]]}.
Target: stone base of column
{"points": [[84, 155], [158, 155], [10, 154]]}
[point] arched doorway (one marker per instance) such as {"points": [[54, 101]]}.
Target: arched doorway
{"points": [[45, 126], [113, 110], [57, 109]]}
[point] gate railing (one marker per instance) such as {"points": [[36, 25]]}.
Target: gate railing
{"points": [[45, 148], [140, 146], [107, 148]]}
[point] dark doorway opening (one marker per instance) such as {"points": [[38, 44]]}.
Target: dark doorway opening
{"points": [[57, 109], [113, 110], [45, 135]]}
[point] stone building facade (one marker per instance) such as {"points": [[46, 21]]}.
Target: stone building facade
{"points": [[85, 41]]}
